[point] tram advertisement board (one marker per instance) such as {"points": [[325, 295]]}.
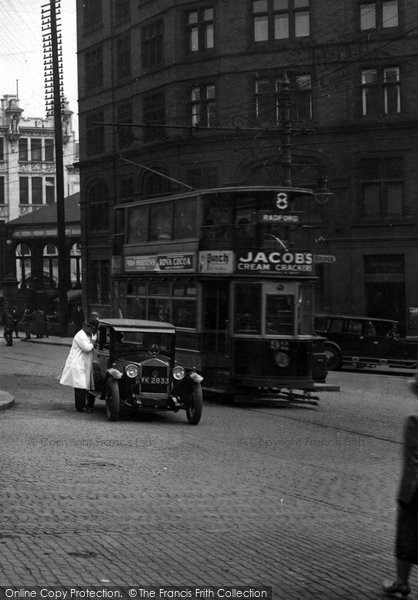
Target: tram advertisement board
{"points": [[216, 261], [180, 263], [284, 262]]}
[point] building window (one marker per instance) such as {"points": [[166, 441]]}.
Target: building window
{"points": [[122, 9], [1, 148], [75, 265], [126, 189], [23, 264], [379, 15], [381, 91], [23, 190], [198, 177], [200, 29], [49, 190], [382, 187], [92, 13], [49, 150], [125, 133], [23, 150], [36, 150], [202, 102], [280, 19], [98, 207], [154, 114], [123, 57], [302, 97], [154, 184], [95, 133], [2, 195], [152, 44], [50, 264], [268, 100], [93, 68], [37, 196]]}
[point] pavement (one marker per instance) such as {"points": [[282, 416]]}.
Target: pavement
{"points": [[6, 399]]}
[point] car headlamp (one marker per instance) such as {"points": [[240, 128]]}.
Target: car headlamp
{"points": [[131, 371], [179, 373]]}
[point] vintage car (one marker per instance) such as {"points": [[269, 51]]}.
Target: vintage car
{"points": [[134, 369], [364, 342]]}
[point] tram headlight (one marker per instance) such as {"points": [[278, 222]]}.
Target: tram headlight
{"points": [[281, 359], [131, 371], [179, 373]]}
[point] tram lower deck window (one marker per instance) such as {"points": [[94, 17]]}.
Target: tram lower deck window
{"points": [[247, 308], [280, 314]]}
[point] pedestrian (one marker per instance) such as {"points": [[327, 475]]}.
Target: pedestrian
{"points": [[27, 321], [16, 319], [8, 327], [406, 544], [77, 372], [39, 322]]}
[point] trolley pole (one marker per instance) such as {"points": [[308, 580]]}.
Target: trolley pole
{"points": [[55, 68], [287, 131]]}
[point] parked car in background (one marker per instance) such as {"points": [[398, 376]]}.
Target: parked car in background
{"points": [[364, 342]]}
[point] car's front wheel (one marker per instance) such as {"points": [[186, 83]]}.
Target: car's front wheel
{"points": [[334, 357], [195, 405], [112, 400]]}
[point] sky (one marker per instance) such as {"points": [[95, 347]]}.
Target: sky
{"points": [[21, 53]]}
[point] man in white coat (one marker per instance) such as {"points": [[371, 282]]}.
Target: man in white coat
{"points": [[77, 368]]}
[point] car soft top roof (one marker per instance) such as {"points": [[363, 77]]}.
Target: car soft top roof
{"points": [[138, 324], [354, 317]]}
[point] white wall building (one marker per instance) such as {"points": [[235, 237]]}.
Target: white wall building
{"points": [[27, 159]]}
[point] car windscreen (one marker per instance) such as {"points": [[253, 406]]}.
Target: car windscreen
{"points": [[128, 343]]}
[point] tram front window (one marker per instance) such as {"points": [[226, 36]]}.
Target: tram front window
{"points": [[247, 308], [280, 315]]}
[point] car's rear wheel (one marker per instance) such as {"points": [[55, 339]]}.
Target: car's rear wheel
{"points": [[112, 400], [334, 357], [195, 405]]}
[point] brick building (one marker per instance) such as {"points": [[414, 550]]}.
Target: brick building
{"points": [[174, 93]]}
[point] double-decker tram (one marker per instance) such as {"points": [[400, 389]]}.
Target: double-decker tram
{"points": [[229, 267]]}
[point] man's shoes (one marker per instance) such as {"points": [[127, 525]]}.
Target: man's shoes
{"points": [[395, 588]]}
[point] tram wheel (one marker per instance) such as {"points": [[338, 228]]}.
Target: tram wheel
{"points": [[334, 357]]}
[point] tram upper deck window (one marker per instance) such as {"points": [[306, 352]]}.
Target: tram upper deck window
{"points": [[247, 308], [160, 221], [280, 314], [185, 219], [138, 224]]}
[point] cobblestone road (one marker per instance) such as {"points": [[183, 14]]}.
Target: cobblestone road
{"points": [[301, 499]]}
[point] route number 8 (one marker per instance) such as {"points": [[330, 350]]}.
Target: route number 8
{"points": [[281, 201]]}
